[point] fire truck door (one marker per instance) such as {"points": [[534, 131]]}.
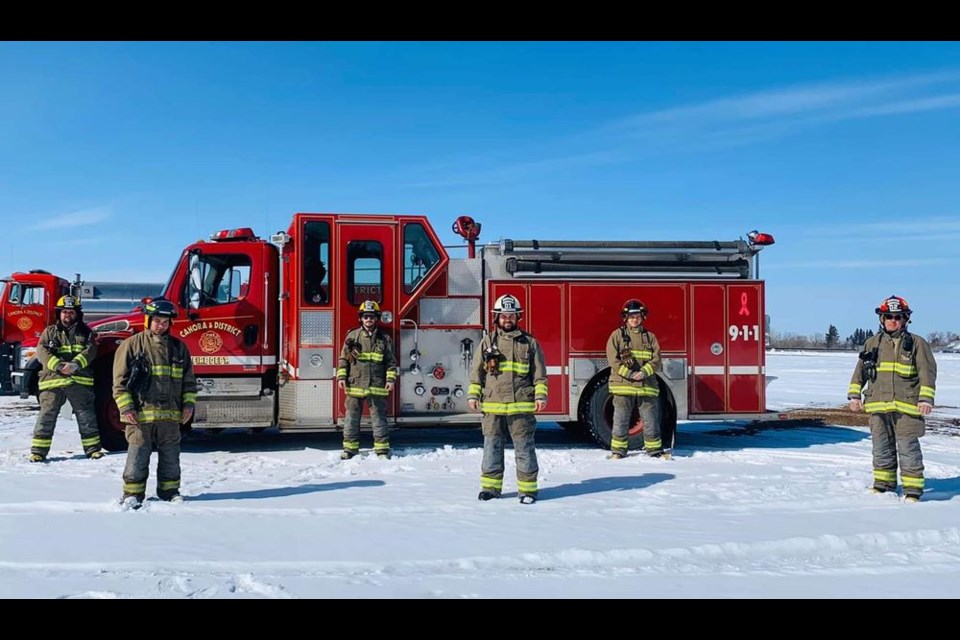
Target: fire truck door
{"points": [[745, 349], [27, 309], [224, 321], [726, 360], [368, 267]]}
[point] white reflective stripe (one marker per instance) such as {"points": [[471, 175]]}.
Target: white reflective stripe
{"points": [[285, 365], [226, 361], [734, 371], [709, 371], [746, 370], [556, 371]]}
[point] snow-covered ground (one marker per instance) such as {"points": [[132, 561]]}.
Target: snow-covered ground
{"points": [[738, 512]]}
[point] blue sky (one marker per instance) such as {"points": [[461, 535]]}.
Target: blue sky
{"points": [[113, 156]]}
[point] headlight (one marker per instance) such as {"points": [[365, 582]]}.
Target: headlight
{"points": [[26, 353]]}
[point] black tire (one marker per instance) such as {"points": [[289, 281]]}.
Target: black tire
{"points": [[597, 414], [112, 436]]}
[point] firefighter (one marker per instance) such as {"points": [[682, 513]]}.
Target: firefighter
{"points": [[897, 377], [508, 384], [66, 350], [367, 371], [156, 392], [634, 356]]}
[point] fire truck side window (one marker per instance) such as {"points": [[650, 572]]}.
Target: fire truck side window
{"points": [[419, 255], [26, 294], [364, 271], [316, 257], [225, 279]]}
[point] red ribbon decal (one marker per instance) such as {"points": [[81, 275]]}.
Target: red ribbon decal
{"points": [[744, 311]]}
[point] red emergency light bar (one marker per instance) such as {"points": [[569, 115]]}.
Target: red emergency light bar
{"points": [[762, 239], [243, 233]]}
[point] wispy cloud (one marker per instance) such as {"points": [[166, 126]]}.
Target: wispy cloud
{"points": [[82, 218], [778, 112], [726, 122]]}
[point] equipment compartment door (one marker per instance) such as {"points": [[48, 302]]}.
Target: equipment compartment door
{"points": [[708, 355], [745, 348], [366, 270]]}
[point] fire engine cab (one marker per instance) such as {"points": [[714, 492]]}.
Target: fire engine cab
{"points": [[264, 321]]}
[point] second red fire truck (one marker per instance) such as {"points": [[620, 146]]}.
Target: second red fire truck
{"points": [[264, 320]]}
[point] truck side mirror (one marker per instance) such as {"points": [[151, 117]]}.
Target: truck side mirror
{"points": [[194, 282]]}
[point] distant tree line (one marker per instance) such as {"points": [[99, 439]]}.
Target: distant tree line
{"points": [[831, 339]]}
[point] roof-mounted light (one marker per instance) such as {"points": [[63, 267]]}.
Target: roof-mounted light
{"points": [[760, 239], [227, 235]]}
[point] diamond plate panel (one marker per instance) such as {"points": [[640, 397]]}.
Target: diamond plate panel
{"points": [[463, 277], [235, 413], [316, 328], [306, 402], [455, 311]]}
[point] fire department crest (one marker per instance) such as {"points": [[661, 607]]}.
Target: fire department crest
{"points": [[24, 323], [210, 342]]}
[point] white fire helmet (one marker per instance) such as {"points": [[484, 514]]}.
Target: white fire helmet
{"points": [[507, 304]]}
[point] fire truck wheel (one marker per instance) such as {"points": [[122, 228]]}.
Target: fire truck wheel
{"points": [[108, 417], [597, 414]]}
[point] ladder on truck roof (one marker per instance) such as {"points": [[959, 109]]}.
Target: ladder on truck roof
{"points": [[629, 259]]}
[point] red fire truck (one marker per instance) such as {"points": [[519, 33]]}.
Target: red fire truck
{"points": [[27, 307], [264, 321]]}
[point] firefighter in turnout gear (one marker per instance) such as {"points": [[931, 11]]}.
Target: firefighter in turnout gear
{"points": [[156, 391], [896, 376], [66, 350], [634, 357], [367, 371], [508, 384]]}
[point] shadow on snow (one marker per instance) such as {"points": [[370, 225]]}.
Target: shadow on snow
{"points": [[601, 485], [279, 492]]}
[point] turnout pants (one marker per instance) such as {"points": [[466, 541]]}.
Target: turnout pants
{"points": [[51, 401], [142, 438], [521, 428], [649, 409], [378, 416], [897, 436]]}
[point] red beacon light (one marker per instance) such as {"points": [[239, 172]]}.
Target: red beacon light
{"points": [[226, 235], [760, 239]]}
